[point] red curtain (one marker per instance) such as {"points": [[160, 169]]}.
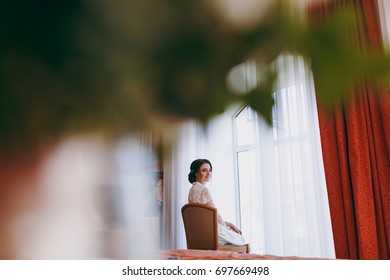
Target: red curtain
{"points": [[356, 150]]}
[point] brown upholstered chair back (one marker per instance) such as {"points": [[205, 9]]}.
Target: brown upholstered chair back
{"points": [[201, 227]]}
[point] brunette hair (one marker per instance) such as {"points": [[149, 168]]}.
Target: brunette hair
{"points": [[195, 165]]}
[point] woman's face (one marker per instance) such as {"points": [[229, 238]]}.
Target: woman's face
{"points": [[204, 174]]}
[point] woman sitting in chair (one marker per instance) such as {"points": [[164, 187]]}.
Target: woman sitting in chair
{"points": [[200, 174]]}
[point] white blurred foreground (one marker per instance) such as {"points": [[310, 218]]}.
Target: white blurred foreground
{"points": [[89, 200]]}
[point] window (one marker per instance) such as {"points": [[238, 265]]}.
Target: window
{"points": [[282, 192]]}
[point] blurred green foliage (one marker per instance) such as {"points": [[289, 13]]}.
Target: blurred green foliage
{"points": [[74, 66]]}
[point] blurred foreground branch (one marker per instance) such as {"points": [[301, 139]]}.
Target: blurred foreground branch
{"points": [[116, 66]]}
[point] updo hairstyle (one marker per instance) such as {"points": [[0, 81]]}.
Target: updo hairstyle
{"points": [[195, 166]]}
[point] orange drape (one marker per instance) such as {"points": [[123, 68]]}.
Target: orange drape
{"points": [[355, 138]]}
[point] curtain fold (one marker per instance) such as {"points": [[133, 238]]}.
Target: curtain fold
{"points": [[177, 158], [355, 137]]}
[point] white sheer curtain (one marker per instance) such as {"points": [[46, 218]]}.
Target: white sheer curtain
{"points": [[384, 16], [283, 198], [183, 144]]}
